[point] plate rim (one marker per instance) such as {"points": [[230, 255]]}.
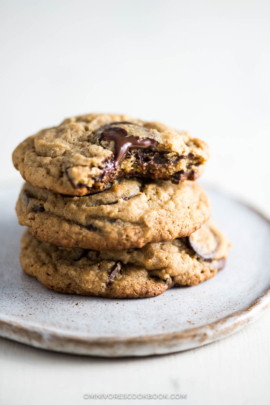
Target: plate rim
{"points": [[47, 339]]}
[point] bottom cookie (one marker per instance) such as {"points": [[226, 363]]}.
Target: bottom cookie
{"points": [[132, 273]]}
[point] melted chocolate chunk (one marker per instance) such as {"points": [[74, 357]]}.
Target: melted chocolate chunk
{"points": [[113, 273], [123, 141]]}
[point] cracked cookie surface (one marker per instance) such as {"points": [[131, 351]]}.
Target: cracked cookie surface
{"points": [[131, 273], [84, 154], [130, 214]]}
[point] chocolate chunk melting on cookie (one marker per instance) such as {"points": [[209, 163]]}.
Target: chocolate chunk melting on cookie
{"points": [[123, 142], [84, 154], [204, 242], [113, 273], [209, 244]]}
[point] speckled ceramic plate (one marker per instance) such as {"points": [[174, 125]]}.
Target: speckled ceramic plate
{"points": [[180, 319]]}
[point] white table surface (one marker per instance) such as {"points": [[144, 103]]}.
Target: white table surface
{"points": [[201, 66]]}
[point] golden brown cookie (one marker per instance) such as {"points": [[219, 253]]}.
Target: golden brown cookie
{"points": [[128, 215], [83, 154], [131, 273]]}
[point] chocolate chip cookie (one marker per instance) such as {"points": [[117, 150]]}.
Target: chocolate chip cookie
{"points": [[131, 273], [84, 154], [130, 214]]}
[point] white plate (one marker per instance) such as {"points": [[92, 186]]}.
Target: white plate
{"points": [[180, 319]]}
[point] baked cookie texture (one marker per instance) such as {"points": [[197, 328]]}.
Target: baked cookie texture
{"points": [[130, 214], [131, 273], [85, 153]]}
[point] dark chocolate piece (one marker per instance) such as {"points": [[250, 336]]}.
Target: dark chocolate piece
{"points": [[92, 190], [204, 242], [154, 158], [99, 204], [26, 199], [38, 208], [114, 202], [182, 175], [92, 228], [106, 187], [110, 203], [123, 141], [115, 270]]}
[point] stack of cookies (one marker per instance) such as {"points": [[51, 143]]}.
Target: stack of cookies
{"points": [[112, 208]]}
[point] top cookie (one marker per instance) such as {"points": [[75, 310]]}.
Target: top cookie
{"points": [[83, 154]]}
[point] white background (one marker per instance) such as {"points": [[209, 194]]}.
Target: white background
{"points": [[197, 65]]}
